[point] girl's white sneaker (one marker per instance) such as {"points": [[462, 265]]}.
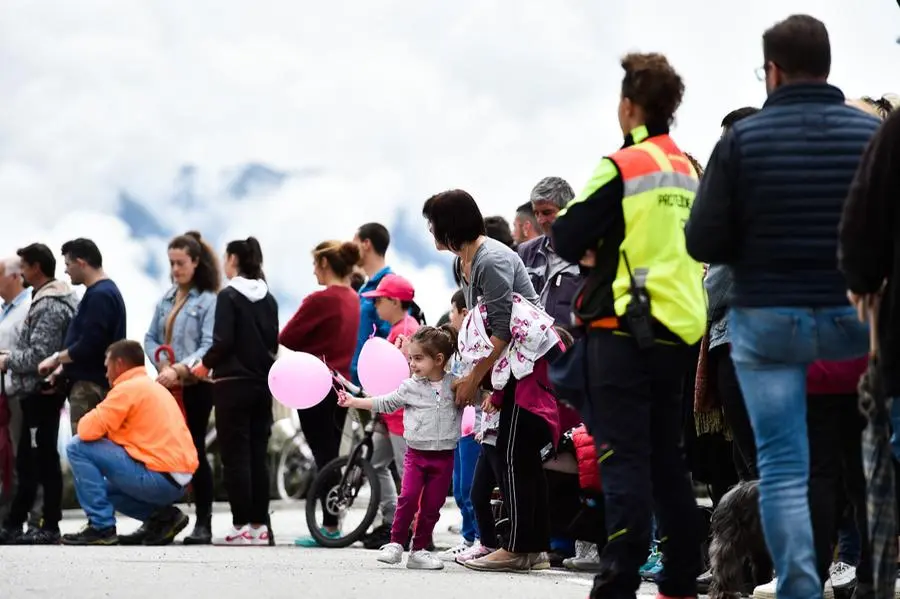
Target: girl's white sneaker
{"points": [[237, 536], [258, 536]]}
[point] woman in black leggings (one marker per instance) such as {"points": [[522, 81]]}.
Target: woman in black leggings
{"points": [[184, 321], [245, 341], [325, 326]]}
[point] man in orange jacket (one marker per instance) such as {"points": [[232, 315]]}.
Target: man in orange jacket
{"points": [[133, 454]]}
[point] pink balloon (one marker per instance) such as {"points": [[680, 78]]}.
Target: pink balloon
{"points": [[381, 367], [299, 380], [467, 427]]}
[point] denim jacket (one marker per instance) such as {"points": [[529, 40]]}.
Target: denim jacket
{"points": [[718, 287], [192, 331]]}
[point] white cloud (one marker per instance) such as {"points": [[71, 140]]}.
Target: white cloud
{"points": [[392, 100]]}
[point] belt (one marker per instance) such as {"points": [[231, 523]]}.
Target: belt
{"points": [[172, 480]]}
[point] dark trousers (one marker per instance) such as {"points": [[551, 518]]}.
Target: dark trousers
{"points": [[488, 473], [198, 404], [520, 439], [736, 417], [634, 411], [323, 427], [37, 461], [244, 423], [836, 477]]}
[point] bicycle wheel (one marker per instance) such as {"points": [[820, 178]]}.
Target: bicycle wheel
{"points": [[296, 469], [341, 484]]}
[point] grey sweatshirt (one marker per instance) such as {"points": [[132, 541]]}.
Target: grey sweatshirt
{"points": [[497, 273], [431, 420]]}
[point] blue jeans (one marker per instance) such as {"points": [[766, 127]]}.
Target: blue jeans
{"points": [[107, 480], [464, 459], [772, 349]]}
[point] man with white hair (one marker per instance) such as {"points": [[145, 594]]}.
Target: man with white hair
{"points": [[553, 278], [15, 299]]}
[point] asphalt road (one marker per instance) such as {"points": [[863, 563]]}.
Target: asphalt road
{"points": [[285, 571]]}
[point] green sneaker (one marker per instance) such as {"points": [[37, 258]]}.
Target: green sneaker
{"points": [[312, 542], [654, 563]]}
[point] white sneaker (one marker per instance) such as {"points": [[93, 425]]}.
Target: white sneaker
{"points": [[391, 553], [423, 560], [451, 554], [237, 536], [767, 591], [258, 536], [842, 575]]}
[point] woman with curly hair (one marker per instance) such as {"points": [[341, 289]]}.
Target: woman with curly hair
{"points": [[643, 307]]}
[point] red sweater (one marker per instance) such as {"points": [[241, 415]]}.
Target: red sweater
{"points": [[325, 325]]}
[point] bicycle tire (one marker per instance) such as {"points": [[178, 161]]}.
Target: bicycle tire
{"points": [[281, 472], [333, 468]]}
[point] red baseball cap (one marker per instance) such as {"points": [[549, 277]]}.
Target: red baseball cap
{"points": [[393, 287]]}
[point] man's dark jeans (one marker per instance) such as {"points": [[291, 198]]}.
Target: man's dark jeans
{"points": [[634, 412]]}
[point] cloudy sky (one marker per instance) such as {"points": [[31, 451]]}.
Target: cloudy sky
{"points": [[376, 104]]}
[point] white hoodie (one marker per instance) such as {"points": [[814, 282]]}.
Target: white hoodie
{"points": [[253, 289]]}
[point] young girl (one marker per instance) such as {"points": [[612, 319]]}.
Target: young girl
{"points": [[431, 424]]}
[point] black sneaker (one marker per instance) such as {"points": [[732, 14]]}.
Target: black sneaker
{"points": [[378, 538], [168, 522], [10, 536], [140, 535], [92, 536], [39, 536]]}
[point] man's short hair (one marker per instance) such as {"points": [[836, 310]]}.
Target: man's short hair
{"points": [[377, 234], [526, 212], [799, 46], [128, 351], [736, 115], [497, 227], [83, 249], [40, 254], [554, 190]]}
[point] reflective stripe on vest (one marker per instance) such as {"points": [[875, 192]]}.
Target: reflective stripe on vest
{"points": [[660, 184]]}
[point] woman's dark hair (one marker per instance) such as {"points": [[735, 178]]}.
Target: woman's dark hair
{"points": [[697, 166], [454, 217], [357, 280], [497, 227], [249, 257], [437, 341], [206, 275], [459, 300], [341, 256], [652, 83]]}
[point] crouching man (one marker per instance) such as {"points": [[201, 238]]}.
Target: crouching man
{"points": [[133, 454]]}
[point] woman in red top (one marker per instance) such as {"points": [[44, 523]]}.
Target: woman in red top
{"points": [[326, 325]]}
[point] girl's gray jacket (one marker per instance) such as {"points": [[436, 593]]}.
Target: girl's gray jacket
{"points": [[431, 420]]}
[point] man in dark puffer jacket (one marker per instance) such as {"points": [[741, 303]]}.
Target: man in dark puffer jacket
{"points": [[769, 206]]}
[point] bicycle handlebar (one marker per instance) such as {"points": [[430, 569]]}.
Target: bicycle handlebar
{"points": [[347, 385]]}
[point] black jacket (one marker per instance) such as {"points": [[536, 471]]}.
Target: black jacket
{"points": [[245, 336], [870, 239], [770, 200]]}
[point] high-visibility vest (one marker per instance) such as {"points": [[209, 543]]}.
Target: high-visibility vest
{"points": [[660, 184]]}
